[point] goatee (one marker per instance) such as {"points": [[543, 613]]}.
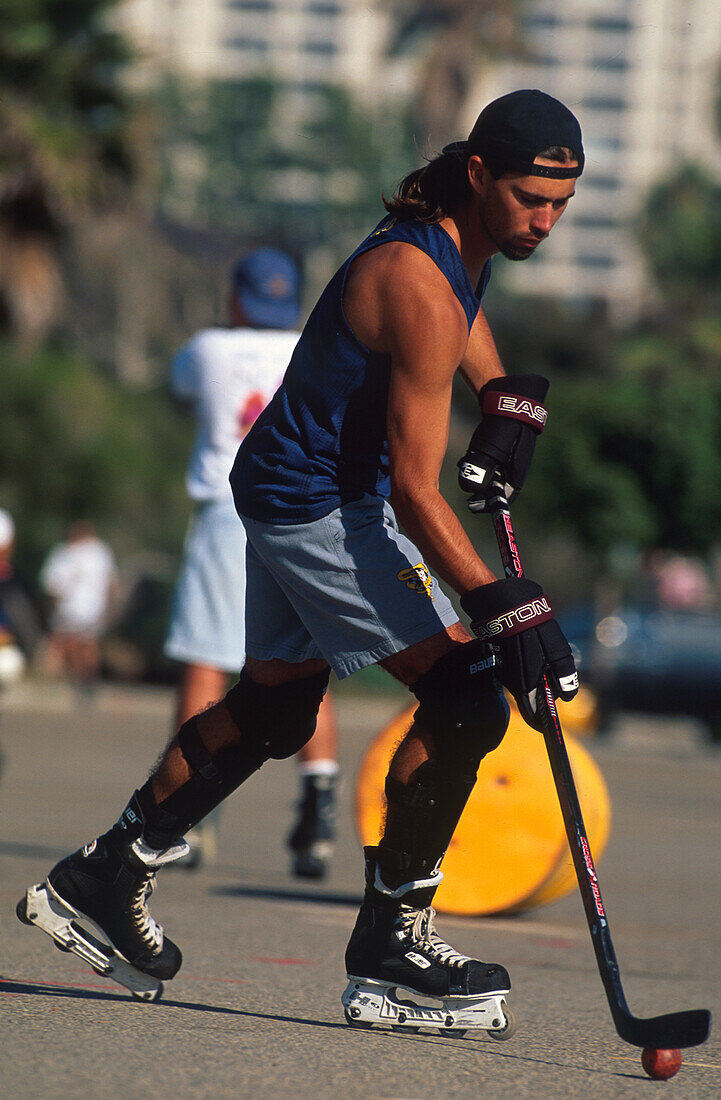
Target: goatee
{"points": [[512, 253]]}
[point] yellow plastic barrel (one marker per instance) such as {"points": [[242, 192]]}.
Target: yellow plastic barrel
{"points": [[580, 715], [509, 851]]}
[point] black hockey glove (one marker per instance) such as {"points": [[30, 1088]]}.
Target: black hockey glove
{"points": [[504, 441], [515, 616]]}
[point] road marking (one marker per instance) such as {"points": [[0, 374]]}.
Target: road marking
{"points": [[209, 978], [278, 961]]}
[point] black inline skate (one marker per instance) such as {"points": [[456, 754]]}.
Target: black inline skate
{"points": [[107, 884], [395, 947], [311, 841]]}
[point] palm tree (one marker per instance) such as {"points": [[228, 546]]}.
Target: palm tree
{"points": [[453, 39], [62, 145]]}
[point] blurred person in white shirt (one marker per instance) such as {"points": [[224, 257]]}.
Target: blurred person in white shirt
{"points": [[79, 577], [19, 625], [229, 375]]}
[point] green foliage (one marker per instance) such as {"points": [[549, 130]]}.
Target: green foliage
{"points": [[75, 445], [632, 450], [681, 236], [299, 169], [635, 460], [59, 68]]}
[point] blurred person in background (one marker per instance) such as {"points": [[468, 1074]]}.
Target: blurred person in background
{"points": [[683, 583], [19, 622], [229, 374], [79, 578]]}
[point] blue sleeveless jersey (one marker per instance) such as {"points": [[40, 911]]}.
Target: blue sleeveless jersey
{"points": [[322, 439]]}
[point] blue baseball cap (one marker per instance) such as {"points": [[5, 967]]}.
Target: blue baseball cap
{"points": [[266, 286]]}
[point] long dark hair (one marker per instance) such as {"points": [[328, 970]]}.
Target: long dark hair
{"points": [[432, 192]]}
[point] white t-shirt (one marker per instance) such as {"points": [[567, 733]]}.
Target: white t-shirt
{"points": [[78, 576], [230, 374]]}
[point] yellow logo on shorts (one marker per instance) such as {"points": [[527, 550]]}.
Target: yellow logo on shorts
{"points": [[418, 578]]}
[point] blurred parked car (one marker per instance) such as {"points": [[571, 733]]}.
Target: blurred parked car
{"points": [[650, 660]]}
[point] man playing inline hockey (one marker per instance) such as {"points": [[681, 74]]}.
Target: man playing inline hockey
{"points": [[362, 419]]}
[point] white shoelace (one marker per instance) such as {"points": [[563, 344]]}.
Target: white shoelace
{"points": [[148, 929], [418, 924]]}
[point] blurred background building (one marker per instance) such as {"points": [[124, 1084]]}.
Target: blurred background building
{"points": [[304, 43], [642, 76], [272, 104]]}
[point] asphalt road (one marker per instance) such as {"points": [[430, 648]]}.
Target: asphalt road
{"points": [[255, 1010]]}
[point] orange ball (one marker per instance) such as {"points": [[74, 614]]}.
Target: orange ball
{"points": [[661, 1064]]}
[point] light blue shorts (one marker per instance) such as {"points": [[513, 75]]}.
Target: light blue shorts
{"points": [[348, 587], [207, 619]]}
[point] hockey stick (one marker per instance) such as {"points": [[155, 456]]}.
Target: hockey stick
{"points": [[676, 1029]]}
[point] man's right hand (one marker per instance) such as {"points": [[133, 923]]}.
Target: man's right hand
{"points": [[503, 443], [516, 616]]}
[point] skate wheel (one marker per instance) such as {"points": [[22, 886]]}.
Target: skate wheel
{"points": [[361, 1025], [21, 910], [508, 1029], [401, 1025], [149, 995], [452, 1032]]}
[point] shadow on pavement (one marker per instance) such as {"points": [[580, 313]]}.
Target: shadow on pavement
{"points": [[9, 986], [270, 893], [41, 989], [31, 851]]}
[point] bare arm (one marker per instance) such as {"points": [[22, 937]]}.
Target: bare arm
{"points": [[481, 361], [406, 308]]}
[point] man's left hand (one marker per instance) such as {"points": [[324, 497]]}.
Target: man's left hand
{"points": [[502, 445]]}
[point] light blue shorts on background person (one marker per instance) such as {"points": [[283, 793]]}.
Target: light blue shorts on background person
{"points": [[348, 587], [207, 619]]}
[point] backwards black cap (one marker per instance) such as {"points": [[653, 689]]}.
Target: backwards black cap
{"points": [[512, 131]]}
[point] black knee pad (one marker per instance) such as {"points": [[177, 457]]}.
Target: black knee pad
{"points": [[212, 778], [462, 704], [464, 709], [193, 749], [281, 718], [273, 723]]}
